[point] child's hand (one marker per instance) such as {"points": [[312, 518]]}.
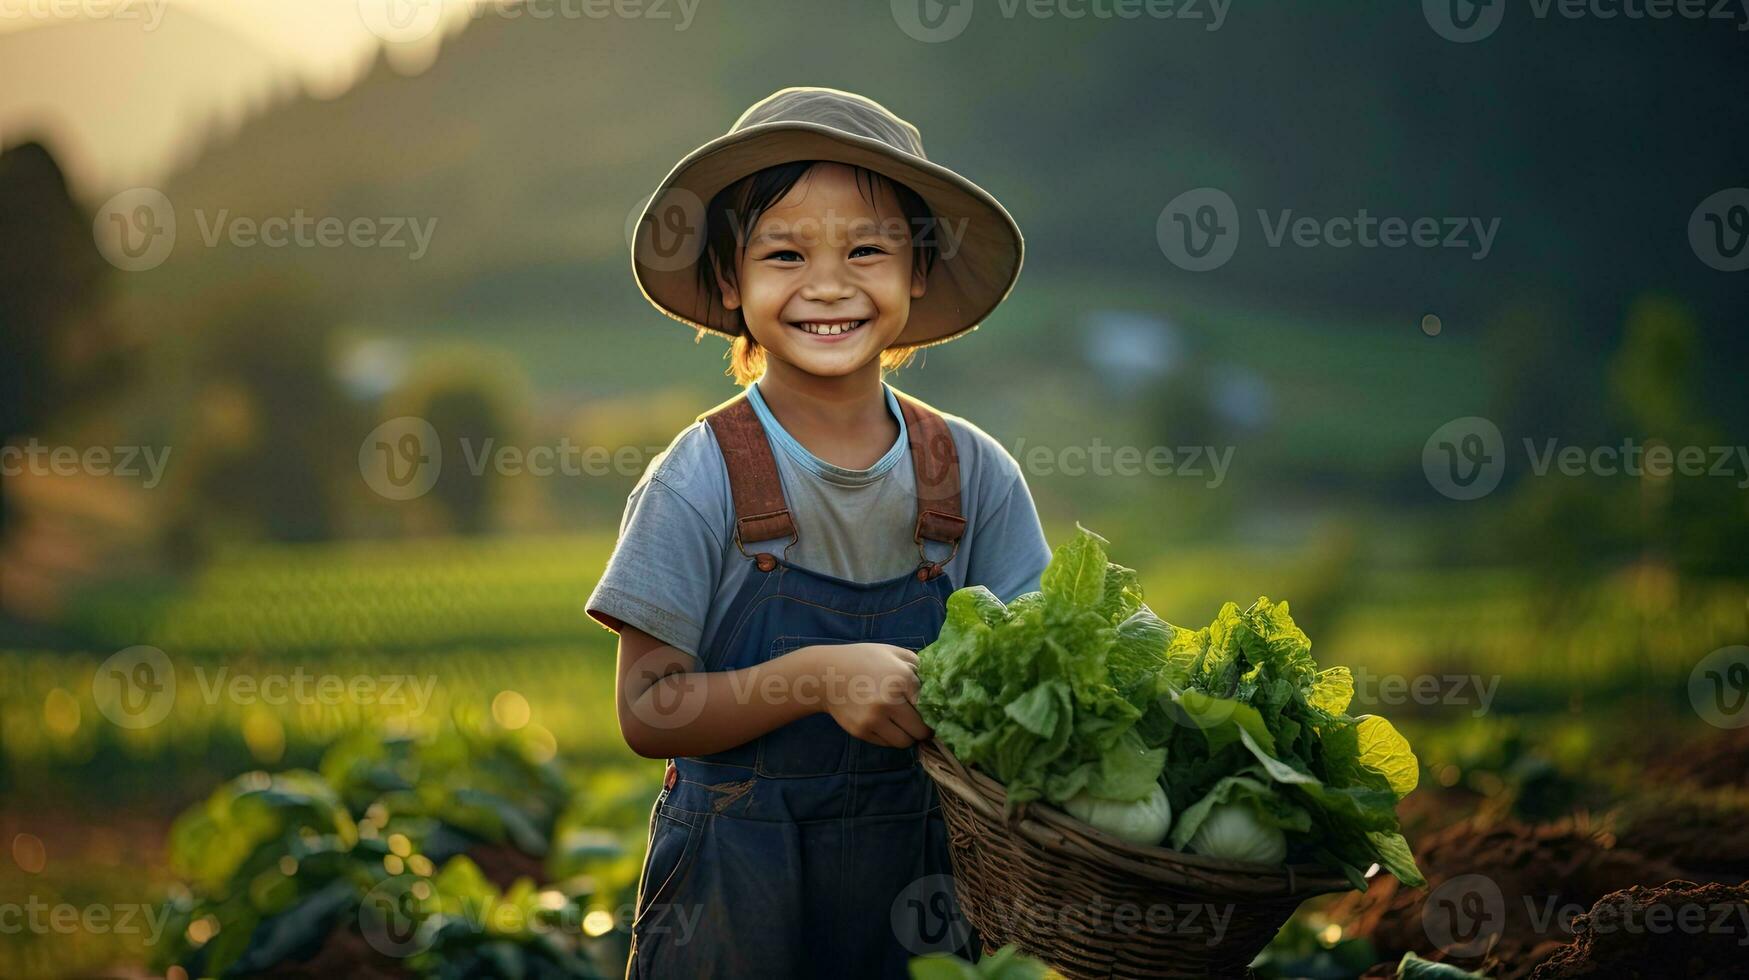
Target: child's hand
{"points": [[871, 692]]}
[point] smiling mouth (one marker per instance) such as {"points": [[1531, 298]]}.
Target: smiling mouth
{"points": [[829, 328]]}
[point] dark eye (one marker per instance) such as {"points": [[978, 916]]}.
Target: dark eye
{"points": [[784, 255], [861, 250]]}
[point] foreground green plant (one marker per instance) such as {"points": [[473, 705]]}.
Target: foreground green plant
{"points": [[365, 867]]}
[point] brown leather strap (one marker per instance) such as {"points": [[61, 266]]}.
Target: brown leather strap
{"points": [[936, 462], [760, 511], [761, 514]]}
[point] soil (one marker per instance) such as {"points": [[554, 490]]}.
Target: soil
{"points": [[1544, 874], [1719, 760], [1705, 832], [1680, 929]]}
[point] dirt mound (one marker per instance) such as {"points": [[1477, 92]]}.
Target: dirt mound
{"points": [[1499, 894], [1704, 832], [1678, 930], [1719, 760]]}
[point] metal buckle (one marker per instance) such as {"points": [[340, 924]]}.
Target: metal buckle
{"points": [[917, 536], [795, 533]]}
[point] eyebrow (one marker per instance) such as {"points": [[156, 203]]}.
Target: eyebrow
{"points": [[861, 229]]}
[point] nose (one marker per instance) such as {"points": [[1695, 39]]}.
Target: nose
{"points": [[827, 281]]}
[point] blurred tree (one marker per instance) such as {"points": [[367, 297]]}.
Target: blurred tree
{"points": [[271, 437], [59, 347], [473, 398]]}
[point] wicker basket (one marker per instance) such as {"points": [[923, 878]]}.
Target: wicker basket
{"points": [[1093, 906]]}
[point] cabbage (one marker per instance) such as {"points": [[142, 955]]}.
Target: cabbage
{"points": [[1233, 832], [1142, 822], [1242, 819]]}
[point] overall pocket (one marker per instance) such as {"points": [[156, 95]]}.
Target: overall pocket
{"points": [[674, 836]]}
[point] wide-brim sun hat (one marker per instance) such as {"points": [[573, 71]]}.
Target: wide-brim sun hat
{"points": [[980, 244]]}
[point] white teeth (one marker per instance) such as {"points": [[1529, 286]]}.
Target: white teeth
{"points": [[830, 329]]}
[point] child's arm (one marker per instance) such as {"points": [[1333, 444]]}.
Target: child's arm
{"points": [[668, 709]]}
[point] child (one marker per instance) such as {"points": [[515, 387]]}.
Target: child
{"points": [[780, 564]]}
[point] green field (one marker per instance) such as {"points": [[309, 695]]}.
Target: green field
{"points": [[491, 632]]}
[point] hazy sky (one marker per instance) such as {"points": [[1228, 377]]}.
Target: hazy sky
{"points": [[124, 89]]}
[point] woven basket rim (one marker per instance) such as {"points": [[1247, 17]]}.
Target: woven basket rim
{"points": [[1252, 880]]}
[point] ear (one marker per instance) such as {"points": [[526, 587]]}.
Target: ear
{"points": [[919, 280], [730, 292]]}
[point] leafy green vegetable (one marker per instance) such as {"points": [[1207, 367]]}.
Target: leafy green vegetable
{"points": [[1251, 795], [1060, 692], [1413, 967], [1144, 821], [1257, 702], [1080, 688]]}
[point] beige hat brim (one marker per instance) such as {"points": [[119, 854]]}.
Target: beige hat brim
{"points": [[980, 245]]}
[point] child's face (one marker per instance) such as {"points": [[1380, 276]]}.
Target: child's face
{"points": [[824, 259]]}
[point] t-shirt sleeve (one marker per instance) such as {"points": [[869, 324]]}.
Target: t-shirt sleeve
{"points": [[1009, 554], [664, 570]]}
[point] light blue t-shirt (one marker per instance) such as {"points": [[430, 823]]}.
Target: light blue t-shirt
{"points": [[676, 569]]}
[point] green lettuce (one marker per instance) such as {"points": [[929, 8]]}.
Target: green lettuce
{"points": [[1064, 690], [1257, 702], [1081, 687]]}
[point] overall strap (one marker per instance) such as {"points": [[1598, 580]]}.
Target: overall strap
{"points": [[936, 462], [762, 514], [760, 511]]}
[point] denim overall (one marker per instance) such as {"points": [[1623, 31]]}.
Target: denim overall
{"points": [[806, 852]]}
